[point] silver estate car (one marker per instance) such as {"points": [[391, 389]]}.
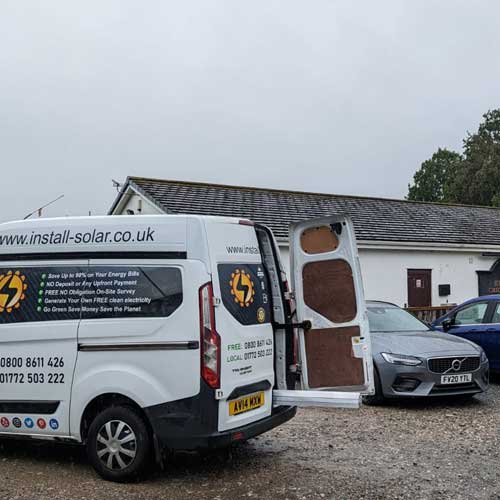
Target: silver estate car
{"points": [[411, 360]]}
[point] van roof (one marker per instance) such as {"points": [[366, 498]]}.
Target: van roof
{"points": [[160, 233], [104, 219]]}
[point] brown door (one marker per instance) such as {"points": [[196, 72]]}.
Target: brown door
{"points": [[419, 288]]}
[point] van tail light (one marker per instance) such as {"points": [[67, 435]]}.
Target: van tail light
{"points": [[209, 338]]}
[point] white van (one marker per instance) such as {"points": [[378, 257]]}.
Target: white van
{"points": [[133, 335]]}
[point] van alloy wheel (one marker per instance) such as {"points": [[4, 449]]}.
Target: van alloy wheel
{"points": [[119, 444], [116, 445]]}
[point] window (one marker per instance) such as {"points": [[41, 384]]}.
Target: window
{"points": [[244, 291], [55, 293], [471, 314], [387, 318], [496, 314], [131, 292]]}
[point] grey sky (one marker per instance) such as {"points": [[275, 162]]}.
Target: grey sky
{"points": [[322, 95]]}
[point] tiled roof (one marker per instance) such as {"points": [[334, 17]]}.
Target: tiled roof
{"points": [[375, 219]]}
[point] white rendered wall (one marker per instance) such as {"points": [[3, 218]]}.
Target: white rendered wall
{"points": [[384, 272], [138, 204]]}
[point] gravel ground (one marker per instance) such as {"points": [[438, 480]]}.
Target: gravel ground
{"points": [[416, 449]]}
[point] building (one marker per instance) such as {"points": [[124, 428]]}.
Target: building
{"points": [[412, 253]]}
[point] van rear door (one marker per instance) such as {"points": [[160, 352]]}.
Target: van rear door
{"points": [[243, 320], [334, 352]]}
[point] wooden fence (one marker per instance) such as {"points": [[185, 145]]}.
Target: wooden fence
{"points": [[430, 314]]}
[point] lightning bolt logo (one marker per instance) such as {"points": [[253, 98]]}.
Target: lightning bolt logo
{"points": [[12, 288], [242, 287]]}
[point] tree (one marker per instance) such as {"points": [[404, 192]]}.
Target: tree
{"points": [[477, 181], [431, 181], [472, 178]]}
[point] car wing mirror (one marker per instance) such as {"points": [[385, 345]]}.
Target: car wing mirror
{"points": [[447, 324]]}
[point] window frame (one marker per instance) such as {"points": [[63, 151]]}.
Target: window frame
{"points": [[493, 305]]}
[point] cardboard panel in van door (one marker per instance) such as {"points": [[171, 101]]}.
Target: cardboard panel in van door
{"points": [[329, 289], [323, 371], [335, 352], [39, 316]]}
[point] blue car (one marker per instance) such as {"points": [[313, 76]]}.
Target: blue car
{"points": [[477, 320]]}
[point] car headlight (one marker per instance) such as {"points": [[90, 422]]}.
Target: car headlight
{"points": [[401, 359], [483, 357]]}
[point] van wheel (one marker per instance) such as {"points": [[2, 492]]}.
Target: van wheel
{"points": [[119, 444]]}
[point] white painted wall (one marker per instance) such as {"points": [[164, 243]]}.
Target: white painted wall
{"points": [[138, 204], [384, 272]]}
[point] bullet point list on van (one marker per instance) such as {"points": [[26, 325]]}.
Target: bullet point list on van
{"points": [[96, 291]]}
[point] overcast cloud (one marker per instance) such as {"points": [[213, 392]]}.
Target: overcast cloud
{"points": [[340, 97]]}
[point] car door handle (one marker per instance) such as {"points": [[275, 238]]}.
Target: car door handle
{"points": [[491, 329]]}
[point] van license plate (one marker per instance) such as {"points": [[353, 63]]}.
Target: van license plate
{"points": [[246, 403], [456, 379]]}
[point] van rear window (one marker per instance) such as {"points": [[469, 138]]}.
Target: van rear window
{"points": [[96, 292], [244, 291]]}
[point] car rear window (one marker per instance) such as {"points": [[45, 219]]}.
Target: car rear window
{"points": [[393, 319]]}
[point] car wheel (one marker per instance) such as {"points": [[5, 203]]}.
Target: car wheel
{"points": [[378, 397], [119, 444]]}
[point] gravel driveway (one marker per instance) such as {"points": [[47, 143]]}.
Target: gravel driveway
{"points": [[437, 449]]}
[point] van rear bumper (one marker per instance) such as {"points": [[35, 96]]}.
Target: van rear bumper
{"points": [[194, 437]]}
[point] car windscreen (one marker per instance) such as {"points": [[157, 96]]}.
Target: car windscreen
{"points": [[393, 319]]}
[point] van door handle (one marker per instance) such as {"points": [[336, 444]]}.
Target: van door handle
{"points": [[306, 325], [491, 329]]}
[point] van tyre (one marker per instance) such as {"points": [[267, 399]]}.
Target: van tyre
{"points": [[377, 398], [119, 445]]}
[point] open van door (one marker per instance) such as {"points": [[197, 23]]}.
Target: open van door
{"points": [[334, 351]]}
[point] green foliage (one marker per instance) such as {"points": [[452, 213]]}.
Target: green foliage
{"points": [[430, 183], [472, 178], [478, 179]]}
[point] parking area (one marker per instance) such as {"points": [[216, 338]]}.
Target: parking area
{"points": [[433, 449]]}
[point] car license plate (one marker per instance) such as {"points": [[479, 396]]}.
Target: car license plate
{"points": [[461, 378], [246, 403]]}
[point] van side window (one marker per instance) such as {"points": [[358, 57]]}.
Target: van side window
{"points": [[244, 291], [119, 292], [58, 293]]}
